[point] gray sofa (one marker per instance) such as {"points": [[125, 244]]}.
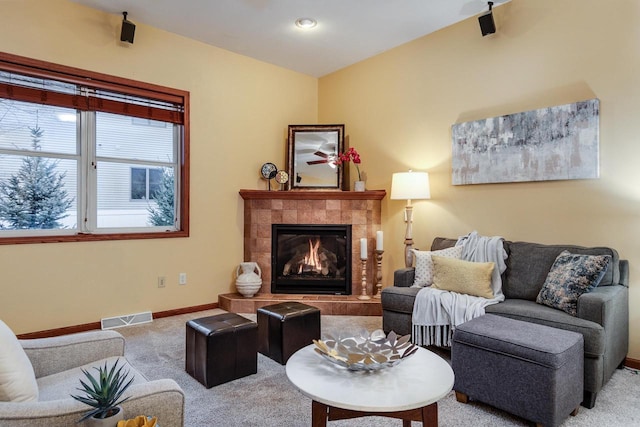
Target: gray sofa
{"points": [[602, 317]]}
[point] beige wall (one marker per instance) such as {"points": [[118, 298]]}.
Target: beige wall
{"points": [[398, 108], [240, 109]]}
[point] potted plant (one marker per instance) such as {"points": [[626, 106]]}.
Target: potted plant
{"points": [[103, 394]]}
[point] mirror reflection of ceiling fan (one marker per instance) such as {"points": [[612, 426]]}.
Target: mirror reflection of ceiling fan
{"points": [[325, 158], [326, 152]]}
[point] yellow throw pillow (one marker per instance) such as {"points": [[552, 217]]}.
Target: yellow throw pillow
{"points": [[463, 277]]}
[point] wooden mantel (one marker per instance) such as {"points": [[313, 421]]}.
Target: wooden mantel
{"points": [[313, 195]]}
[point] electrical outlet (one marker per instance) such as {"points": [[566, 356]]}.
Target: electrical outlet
{"points": [[182, 278], [162, 281]]}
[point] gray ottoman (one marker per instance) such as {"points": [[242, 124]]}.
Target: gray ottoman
{"points": [[530, 370]]}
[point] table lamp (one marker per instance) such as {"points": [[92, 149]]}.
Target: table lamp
{"points": [[410, 186]]}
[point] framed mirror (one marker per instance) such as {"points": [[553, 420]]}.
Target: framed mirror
{"points": [[311, 154]]}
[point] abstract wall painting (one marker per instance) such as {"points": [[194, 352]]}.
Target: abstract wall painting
{"points": [[553, 143]]}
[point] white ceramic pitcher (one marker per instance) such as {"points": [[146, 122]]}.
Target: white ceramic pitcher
{"points": [[248, 282]]}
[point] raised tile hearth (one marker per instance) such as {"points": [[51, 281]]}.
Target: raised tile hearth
{"points": [[346, 305], [362, 210]]}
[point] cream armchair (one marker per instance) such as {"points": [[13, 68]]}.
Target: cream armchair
{"points": [[57, 364]]}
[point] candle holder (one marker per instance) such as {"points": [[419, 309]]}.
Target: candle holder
{"points": [[379, 274], [363, 296]]}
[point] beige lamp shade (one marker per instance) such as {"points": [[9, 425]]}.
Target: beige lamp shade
{"points": [[410, 186], [407, 186]]}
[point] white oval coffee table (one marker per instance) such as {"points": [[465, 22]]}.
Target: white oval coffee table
{"points": [[409, 391]]}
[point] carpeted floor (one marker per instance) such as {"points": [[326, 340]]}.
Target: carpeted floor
{"points": [[268, 399]]}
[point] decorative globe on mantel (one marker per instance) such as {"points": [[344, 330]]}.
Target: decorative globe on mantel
{"points": [[248, 282]]}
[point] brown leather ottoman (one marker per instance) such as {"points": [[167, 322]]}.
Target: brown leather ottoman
{"points": [[221, 348], [285, 328]]}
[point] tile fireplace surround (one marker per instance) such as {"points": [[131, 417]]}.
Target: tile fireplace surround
{"points": [[360, 209]]}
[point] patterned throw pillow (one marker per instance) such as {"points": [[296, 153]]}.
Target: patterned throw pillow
{"points": [[424, 264], [571, 276]]}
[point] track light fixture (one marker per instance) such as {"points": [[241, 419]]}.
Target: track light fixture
{"points": [[487, 25], [128, 29]]}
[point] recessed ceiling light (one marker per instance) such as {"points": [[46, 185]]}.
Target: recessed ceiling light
{"points": [[306, 23]]}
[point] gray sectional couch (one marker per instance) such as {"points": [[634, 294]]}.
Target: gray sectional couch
{"points": [[602, 316]]}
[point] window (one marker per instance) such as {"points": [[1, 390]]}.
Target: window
{"points": [[145, 183], [85, 156]]}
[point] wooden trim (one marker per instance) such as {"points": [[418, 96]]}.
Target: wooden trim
{"points": [[60, 331], [98, 237], [43, 96], [185, 310], [133, 110], [96, 325], [38, 68], [185, 169], [632, 363], [313, 195], [292, 162], [91, 103]]}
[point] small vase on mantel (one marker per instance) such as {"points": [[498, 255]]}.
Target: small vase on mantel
{"points": [[358, 186]]}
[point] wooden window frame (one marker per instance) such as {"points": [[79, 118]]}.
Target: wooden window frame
{"points": [[114, 86]]}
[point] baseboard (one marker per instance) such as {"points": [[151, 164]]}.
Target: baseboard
{"points": [[185, 310], [632, 363], [96, 325]]}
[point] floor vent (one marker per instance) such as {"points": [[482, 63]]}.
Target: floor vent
{"points": [[127, 320]]}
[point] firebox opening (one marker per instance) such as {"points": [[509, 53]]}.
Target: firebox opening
{"points": [[314, 259]]}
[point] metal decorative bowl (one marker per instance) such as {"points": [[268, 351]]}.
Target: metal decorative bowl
{"points": [[367, 352]]}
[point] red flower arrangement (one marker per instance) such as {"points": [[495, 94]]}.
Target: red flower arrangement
{"points": [[350, 155]]}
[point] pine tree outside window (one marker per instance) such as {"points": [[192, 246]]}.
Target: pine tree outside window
{"points": [[85, 156], [35, 196]]}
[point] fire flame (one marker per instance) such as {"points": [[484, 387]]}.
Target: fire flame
{"points": [[311, 259]]}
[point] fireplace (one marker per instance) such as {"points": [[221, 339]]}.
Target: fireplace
{"points": [[262, 209], [311, 259]]}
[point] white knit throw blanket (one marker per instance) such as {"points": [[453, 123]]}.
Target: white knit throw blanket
{"points": [[436, 313]]}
